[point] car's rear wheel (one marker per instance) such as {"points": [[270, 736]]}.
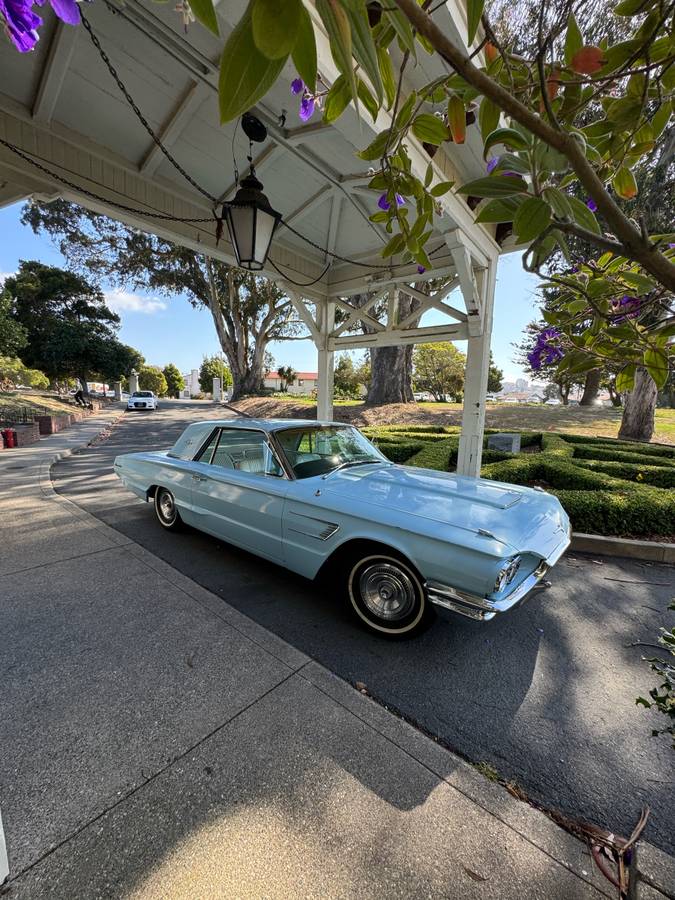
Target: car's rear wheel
{"points": [[166, 510], [387, 595]]}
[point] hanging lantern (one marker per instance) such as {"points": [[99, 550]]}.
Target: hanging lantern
{"points": [[251, 222]]}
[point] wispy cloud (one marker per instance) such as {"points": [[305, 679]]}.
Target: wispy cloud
{"points": [[122, 301], [4, 275]]}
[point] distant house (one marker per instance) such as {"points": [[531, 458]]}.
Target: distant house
{"points": [[191, 388], [304, 382]]}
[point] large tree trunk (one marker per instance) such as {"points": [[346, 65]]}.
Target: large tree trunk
{"points": [[390, 375], [391, 367], [637, 423], [246, 381], [591, 388]]}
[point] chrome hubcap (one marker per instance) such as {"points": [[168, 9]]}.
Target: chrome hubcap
{"points": [[166, 506], [387, 591]]}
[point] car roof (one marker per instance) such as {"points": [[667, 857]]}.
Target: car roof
{"points": [[197, 432], [269, 424]]}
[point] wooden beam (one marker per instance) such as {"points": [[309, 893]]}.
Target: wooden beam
{"points": [[333, 224], [54, 71], [359, 314], [196, 94], [301, 308], [398, 337], [321, 196]]}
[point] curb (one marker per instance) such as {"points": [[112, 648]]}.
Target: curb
{"points": [[652, 551]]}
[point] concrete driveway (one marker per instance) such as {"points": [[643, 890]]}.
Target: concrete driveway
{"points": [[544, 695]]}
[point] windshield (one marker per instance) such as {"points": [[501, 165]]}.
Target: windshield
{"points": [[142, 394], [319, 450]]}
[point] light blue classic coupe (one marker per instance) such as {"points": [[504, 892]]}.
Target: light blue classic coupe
{"points": [[320, 499]]}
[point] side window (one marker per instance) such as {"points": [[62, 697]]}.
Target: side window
{"points": [[207, 452], [243, 451]]}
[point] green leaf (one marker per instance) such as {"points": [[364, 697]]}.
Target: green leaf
{"points": [[402, 27], [304, 51], [406, 111], [387, 73], [430, 129], [533, 216], [509, 137], [573, 39], [494, 186], [474, 10], [488, 117], [624, 183], [275, 26], [206, 14], [336, 23], [246, 74], [363, 46], [558, 202], [395, 245], [629, 8], [656, 364], [583, 215], [661, 118], [498, 210], [337, 99], [640, 282], [367, 99], [441, 188], [376, 148]]}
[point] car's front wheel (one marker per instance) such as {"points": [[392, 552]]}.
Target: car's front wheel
{"points": [[166, 510], [387, 595]]}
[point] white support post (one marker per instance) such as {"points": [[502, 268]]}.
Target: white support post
{"points": [[324, 407], [475, 381]]}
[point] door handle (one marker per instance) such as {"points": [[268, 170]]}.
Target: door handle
{"points": [[199, 478]]}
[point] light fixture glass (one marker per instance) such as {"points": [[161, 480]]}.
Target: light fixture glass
{"points": [[251, 222]]}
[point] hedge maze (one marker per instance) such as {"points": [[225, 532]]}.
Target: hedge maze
{"points": [[606, 486]]}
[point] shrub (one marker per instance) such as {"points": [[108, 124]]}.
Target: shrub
{"points": [[606, 486]]}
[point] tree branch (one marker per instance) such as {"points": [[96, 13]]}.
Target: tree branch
{"points": [[632, 242]]}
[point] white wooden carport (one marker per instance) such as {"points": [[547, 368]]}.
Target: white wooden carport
{"points": [[61, 108]]}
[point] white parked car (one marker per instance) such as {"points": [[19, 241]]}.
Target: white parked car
{"points": [[142, 400], [553, 402]]}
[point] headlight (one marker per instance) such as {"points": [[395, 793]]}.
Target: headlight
{"points": [[507, 573]]}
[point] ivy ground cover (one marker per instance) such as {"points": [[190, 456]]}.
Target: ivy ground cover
{"points": [[606, 486]]}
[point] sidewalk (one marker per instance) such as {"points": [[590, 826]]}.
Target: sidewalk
{"points": [[157, 743]]}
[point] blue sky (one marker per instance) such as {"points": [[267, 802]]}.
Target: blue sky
{"points": [[170, 330]]}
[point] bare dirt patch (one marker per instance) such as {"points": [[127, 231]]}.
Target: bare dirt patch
{"points": [[594, 421]]}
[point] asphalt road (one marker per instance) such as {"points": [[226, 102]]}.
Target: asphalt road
{"points": [[544, 695]]}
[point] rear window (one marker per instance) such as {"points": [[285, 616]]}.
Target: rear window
{"points": [[142, 394], [191, 440]]}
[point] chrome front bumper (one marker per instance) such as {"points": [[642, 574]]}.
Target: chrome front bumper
{"points": [[481, 608]]}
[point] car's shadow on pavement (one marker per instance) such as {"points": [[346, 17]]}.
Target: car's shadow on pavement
{"points": [[544, 695]]}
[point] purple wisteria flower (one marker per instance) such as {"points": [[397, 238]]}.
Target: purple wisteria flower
{"points": [[384, 204], [297, 86], [624, 308], [21, 23], [670, 246], [547, 350], [492, 164], [67, 10], [421, 270], [307, 105], [592, 205]]}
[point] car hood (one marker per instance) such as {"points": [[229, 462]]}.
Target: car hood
{"points": [[520, 517]]}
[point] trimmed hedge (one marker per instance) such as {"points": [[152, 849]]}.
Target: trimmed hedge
{"points": [[606, 487]]}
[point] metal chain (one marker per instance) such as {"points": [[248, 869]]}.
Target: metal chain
{"points": [[139, 115], [92, 196]]}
